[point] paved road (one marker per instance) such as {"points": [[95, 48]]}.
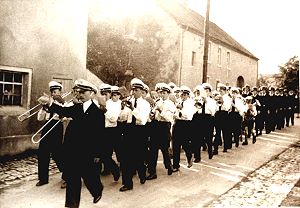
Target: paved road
{"points": [[262, 170]]}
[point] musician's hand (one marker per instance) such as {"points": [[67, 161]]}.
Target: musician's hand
{"points": [[44, 100], [58, 98], [179, 106]]}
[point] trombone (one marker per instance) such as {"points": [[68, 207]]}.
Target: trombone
{"points": [[36, 133], [25, 115]]}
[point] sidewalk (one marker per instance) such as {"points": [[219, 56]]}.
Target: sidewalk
{"points": [[269, 185]]}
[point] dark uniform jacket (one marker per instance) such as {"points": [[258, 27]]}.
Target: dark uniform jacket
{"points": [[84, 140]]}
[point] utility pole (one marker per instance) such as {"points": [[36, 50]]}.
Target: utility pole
{"points": [[206, 31]]}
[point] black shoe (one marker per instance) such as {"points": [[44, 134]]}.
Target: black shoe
{"points": [[210, 156], [237, 144], [170, 171], [254, 140], [224, 150], [125, 188], [204, 148], [245, 143], [197, 160], [151, 177], [215, 152], [143, 180], [96, 199], [175, 170], [40, 183], [190, 164], [116, 176]]}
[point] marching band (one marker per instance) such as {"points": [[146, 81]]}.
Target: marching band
{"points": [[135, 126]]}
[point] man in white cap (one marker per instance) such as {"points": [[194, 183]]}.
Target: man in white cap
{"points": [[208, 112], [51, 144], [83, 148], [135, 146], [182, 137], [236, 114], [112, 137], [160, 138], [221, 120]]}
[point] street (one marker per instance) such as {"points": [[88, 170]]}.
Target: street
{"points": [[260, 174]]}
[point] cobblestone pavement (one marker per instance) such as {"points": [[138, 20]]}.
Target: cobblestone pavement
{"points": [[22, 168], [272, 185]]}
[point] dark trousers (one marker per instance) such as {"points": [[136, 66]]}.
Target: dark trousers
{"points": [[89, 172], [206, 134], [181, 138], [112, 144], [134, 149], [50, 146], [222, 130], [236, 125], [159, 140]]}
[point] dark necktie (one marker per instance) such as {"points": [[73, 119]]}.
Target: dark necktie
{"points": [[233, 108], [133, 117], [203, 108], [220, 107]]}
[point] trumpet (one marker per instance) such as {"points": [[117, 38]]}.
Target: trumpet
{"points": [[27, 114], [38, 131]]}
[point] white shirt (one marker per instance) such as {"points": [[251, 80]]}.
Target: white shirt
{"points": [[142, 110], [187, 111], [167, 108], [113, 112], [239, 106], [86, 105], [210, 106], [226, 103]]}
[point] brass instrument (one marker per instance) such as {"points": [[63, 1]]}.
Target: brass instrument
{"points": [[29, 112], [38, 131]]}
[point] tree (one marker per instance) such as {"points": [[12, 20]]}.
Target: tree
{"points": [[290, 72]]}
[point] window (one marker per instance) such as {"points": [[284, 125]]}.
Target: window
{"points": [[219, 56], [228, 59], [193, 58], [13, 90]]}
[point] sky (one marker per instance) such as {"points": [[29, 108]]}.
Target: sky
{"points": [[269, 29]]}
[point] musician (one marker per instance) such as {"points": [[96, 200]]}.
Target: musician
{"points": [[135, 144], [108, 166], [236, 114], [221, 120], [271, 110], [208, 111], [181, 134], [83, 149], [248, 120], [112, 136], [197, 140], [51, 144], [258, 122], [163, 111], [263, 99]]}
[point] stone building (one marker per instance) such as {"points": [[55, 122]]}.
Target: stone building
{"points": [[228, 61], [39, 41]]}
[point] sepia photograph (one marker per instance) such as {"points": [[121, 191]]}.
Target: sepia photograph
{"points": [[149, 103]]}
